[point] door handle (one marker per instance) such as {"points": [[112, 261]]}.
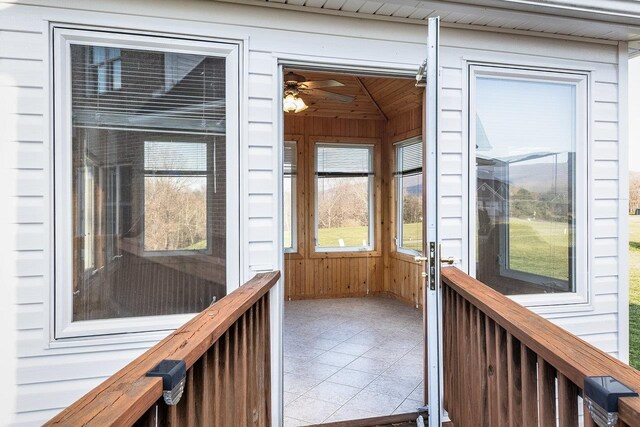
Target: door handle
{"points": [[450, 260]]}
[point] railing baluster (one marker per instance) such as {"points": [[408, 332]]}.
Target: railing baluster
{"points": [[494, 416], [204, 389], [515, 381], [567, 402], [502, 375], [546, 393], [482, 354], [244, 370], [529, 374], [466, 358]]}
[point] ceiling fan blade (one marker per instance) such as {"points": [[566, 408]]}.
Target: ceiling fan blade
{"points": [[314, 84], [333, 96]]}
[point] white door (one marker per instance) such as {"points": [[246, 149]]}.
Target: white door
{"points": [[431, 240]]}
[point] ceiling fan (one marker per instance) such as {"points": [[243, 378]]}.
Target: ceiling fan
{"points": [[295, 84]]}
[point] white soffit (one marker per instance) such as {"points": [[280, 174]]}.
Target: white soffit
{"points": [[597, 19]]}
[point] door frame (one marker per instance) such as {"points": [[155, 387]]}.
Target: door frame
{"points": [[327, 64]]}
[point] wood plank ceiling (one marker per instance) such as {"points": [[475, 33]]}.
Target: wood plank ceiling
{"points": [[376, 98]]}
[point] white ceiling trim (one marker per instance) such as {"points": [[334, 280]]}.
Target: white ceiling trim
{"points": [[525, 16]]}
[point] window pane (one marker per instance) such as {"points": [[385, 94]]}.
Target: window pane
{"points": [[343, 212], [526, 145], [289, 188], [411, 212], [149, 187], [175, 213], [409, 179], [344, 176]]}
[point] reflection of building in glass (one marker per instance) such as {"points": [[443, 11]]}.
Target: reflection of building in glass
{"points": [[149, 186]]}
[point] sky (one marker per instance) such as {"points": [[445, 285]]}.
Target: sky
{"points": [[634, 114]]}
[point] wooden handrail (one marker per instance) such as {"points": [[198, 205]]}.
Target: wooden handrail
{"points": [[128, 395], [572, 358]]}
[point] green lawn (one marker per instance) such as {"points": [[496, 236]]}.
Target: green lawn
{"points": [[539, 247], [634, 291], [353, 236]]}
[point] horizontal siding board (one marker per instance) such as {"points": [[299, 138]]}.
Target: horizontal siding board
{"points": [[29, 290], [21, 73], [25, 210], [23, 155], [261, 86], [22, 45], [23, 127], [23, 100], [261, 206], [33, 370], [605, 111], [260, 158], [261, 134], [26, 237]]}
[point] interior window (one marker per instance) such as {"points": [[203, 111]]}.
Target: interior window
{"points": [[344, 193], [175, 196], [409, 195], [149, 179], [526, 184], [289, 190]]}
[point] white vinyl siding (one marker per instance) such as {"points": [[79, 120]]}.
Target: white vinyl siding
{"points": [[47, 378]]}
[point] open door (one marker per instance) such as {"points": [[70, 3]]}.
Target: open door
{"points": [[431, 238]]}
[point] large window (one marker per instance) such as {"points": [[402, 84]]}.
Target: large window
{"points": [[147, 197], [344, 197], [529, 144], [409, 195], [289, 190]]}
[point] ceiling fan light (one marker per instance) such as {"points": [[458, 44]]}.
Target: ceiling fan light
{"points": [[300, 105], [289, 104]]}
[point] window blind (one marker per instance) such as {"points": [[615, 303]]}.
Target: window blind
{"points": [[175, 156], [290, 158], [409, 157], [147, 90], [344, 160]]}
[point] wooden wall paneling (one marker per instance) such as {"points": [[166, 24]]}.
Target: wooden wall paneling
{"points": [[405, 280], [332, 275]]}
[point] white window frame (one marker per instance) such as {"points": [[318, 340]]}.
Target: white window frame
{"points": [[580, 298], [294, 201], [371, 185], [400, 198], [63, 329]]}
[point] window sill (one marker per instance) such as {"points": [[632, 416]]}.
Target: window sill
{"points": [[345, 254], [293, 255], [554, 304], [404, 256]]}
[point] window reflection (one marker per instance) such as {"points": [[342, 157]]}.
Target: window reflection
{"points": [[525, 163], [149, 186]]}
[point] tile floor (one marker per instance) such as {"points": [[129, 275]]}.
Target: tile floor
{"points": [[351, 358]]}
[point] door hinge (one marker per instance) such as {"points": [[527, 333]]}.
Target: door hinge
{"points": [[421, 78]]}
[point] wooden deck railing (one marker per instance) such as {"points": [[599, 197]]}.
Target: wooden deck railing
{"points": [[504, 365], [226, 349]]}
